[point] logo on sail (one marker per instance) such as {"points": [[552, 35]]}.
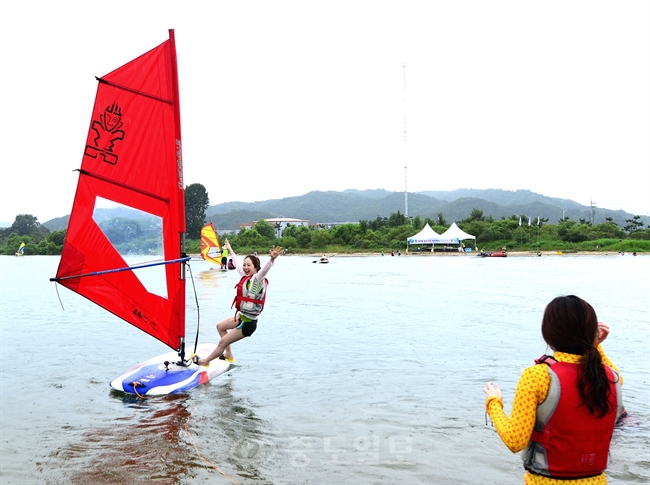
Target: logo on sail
{"points": [[107, 133]]}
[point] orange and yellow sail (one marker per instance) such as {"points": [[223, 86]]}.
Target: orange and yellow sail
{"points": [[210, 246]]}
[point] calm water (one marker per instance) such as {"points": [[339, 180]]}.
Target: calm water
{"points": [[368, 370]]}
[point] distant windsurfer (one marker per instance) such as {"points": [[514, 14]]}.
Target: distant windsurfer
{"points": [[224, 258], [249, 303]]}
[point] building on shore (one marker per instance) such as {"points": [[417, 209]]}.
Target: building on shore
{"points": [[279, 223]]}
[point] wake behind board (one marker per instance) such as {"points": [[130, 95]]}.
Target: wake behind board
{"points": [[153, 378]]}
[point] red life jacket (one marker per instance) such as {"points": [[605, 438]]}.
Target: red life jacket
{"points": [[249, 304], [568, 442]]}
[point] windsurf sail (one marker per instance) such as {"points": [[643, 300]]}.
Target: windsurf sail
{"points": [[210, 246], [133, 157], [21, 249]]}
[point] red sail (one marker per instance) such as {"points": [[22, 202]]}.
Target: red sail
{"points": [[133, 157]]}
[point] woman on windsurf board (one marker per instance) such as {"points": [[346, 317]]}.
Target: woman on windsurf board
{"points": [[248, 302], [566, 406]]}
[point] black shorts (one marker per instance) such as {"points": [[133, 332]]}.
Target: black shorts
{"points": [[247, 328]]}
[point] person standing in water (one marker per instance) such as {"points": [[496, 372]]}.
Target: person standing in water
{"points": [[224, 258], [249, 303], [565, 406]]}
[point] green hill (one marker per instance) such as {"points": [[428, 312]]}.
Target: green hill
{"points": [[354, 205]]}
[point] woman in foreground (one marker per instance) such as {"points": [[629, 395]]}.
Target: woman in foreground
{"points": [[565, 406]]}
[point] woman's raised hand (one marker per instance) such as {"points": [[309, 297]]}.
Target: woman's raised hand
{"points": [[275, 251], [603, 332]]}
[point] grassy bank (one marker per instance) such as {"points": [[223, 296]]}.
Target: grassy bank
{"points": [[596, 246]]}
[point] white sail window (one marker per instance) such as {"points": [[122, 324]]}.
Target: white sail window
{"points": [[137, 237]]}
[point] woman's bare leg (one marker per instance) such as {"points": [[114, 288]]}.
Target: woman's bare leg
{"points": [[231, 337], [223, 327]]}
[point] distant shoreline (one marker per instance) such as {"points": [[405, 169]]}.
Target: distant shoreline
{"points": [[514, 254]]}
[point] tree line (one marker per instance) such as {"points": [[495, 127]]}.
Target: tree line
{"points": [[516, 232], [391, 233]]}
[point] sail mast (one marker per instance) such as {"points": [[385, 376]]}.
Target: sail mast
{"points": [[181, 186], [179, 147]]}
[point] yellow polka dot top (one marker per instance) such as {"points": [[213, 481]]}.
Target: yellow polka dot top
{"points": [[515, 431]]}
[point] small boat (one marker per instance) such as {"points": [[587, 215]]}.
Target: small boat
{"points": [[322, 260], [495, 254]]}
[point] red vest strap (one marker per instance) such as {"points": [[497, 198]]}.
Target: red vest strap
{"points": [[546, 359], [240, 297]]}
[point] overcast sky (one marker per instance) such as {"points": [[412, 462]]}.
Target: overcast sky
{"points": [[280, 98]]}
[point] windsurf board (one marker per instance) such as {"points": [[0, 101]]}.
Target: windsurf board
{"points": [[162, 375]]}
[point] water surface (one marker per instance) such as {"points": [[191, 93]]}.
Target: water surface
{"points": [[364, 370]]}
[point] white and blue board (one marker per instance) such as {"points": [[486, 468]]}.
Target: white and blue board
{"points": [[155, 378]]}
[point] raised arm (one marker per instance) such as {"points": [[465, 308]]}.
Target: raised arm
{"points": [[531, 390], [233, 257], [274, 253]]}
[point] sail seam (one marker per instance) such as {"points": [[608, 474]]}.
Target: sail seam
{"points": [[129, 187], [135, 91]]}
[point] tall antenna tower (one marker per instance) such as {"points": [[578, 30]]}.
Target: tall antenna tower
{"points": [[406, 194], [592, 211]]}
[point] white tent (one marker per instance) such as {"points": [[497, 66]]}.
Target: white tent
{"points": [[429, 236], [457, 232]]}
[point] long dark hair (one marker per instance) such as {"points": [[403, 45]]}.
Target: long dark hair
{"points": [[570, 325]]}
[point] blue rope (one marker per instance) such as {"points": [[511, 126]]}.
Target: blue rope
{"points": [[128, 268]]}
